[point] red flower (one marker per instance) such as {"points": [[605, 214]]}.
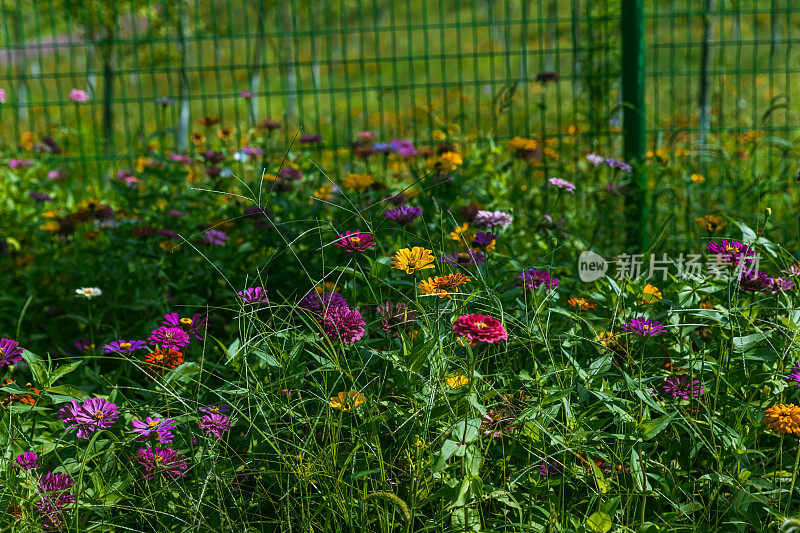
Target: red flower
{"points": [[479, 328]]}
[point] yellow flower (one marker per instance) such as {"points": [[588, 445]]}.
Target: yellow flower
{"points": [[51, 226], [783, 418], [651, 294], [443, 286], [698, 178], [347, 401], [458, 234], [198, 138], [142, 162], [455, 382], [412, 260], [438, 135], [324, 193], [26, 140], [581, 304], [521, 143], [446, 162], [711, 223], [358, 182], [606, 339], [225, 133], [270, 177]]}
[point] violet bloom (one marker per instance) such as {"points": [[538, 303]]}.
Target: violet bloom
{"points": [[403, 148], [10, 352], [355, 241], [404, 214], [189, 325], [483, 239], [616, 163], [492, 219], [181, 158], [342, 324], [317, 303], [782, 283], [616, 189], [732, 251], [562, 184], [794, 375], [176, 213], [26, 460], [174, 338], [160, 429], [253, 151], [644, 328], [57, 175], [756, 281], [216, 425], [19, 163], [213, 236], [162, 462], [76, 95], [253, 295], [310, 139], [92, 415], [215, 409], [396, 317], [550, 467], [41, 197], [464, 259], [124, 347], [294, 174], [532, 279], [54, 489], [595, 159], [680, 386]]}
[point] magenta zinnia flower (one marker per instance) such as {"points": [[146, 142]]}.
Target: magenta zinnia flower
{"points": [[756, 281], [794, 375], [404, 214], [19, 163], [215, 409], [55, 494], [213, 236], [396, 316], [532, 279], [732, 251], [26, 460], [562, 184], [492, 219], [124, 347], [215, 424], [355, 241], [342, 323], [253, 295], [159, 428], [10, 352], [479, 328], [680, 386], [644, 328], [550, 467], [174, 338], [162, 462], [317, 303], [189, 325], [92, 415]]}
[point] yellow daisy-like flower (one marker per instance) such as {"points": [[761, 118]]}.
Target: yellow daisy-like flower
{"points": [[347, 401], [358, 182], [412, 260], [446, 162], [443, 286], [698, 178], [651, 294], [456, 382], [460, 233], [606, 339], [51, 226], [783, 418], [711, 223], [142, 163], [438, 135], [521, 143], [26, 140], [225, 133], [198, 138], [581, 304]]}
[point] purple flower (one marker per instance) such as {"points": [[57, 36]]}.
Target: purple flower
{"points": [[342, 323], [3, 96], [483, 239], [92, 415], [562, 184], [396, 317], [616, 163], [404, 214], [41, 197], [57, 175], [492, 219], [355, 241], [464, 259], [124, 347], [26, 460], [162, 462], [731, 251], [402, 147], [253, 295], [189, 325], [309, 139], [176, 213], [782, 283], [396, 199], [84, 345], [615, 188], [55, 494], [10, 352], [680, 386], [19, 163], [317, 303], [253, 151], [181, 158], [163, 101], [168, 233], [294, 174], [76, 95], [174, 338], [644, 328], [214, 424], [159, 428], [213, 236], [550, 467], [215, 409], [247, 95], [756, 281], [595, 159], [532, 279], [794, 375], [498, 422]]}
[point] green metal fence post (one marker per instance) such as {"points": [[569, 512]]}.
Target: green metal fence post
{"points": [[634, 118]]}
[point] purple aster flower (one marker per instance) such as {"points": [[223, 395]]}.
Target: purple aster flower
{"points": [[318, 302], [310, 139], [382, 147], [355, 241], [41, 197], [342, 323], [159, 428], [483, 239], [595, 159], [756, 281], [680, 386], [215, 409], [732, 251], [84, 345], [550, 467], [492, 219], [174, 338], [396, 317], [644, 328], [189, 325], [794, 375], [19, 163], [404, 214], [532, 279], [616, 189], [782, 283], [214, 424], [55, 492], [26, 460], [10, 352], [92, 415], [562, 184], [616, 163], [464, 259], [124, 347], [161, 462], [402, 147], [213, 236], [253, 295]]}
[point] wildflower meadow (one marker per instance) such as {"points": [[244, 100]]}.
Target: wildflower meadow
{"points": [[263, 326]]}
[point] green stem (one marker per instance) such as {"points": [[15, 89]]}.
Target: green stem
{"points": [[794, 478]]}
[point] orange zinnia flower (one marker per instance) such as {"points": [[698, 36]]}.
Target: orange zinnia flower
{"points": [[161, 361], [783, 418], [582, 304]]}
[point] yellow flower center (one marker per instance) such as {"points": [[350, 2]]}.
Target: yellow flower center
{"points": [[87, 292], [730, 249], [355, 239], [124, 345], [168, 335], [159, 459], [187, 321], [98, 415], [645, 327], [153, 423], [480, 325]]}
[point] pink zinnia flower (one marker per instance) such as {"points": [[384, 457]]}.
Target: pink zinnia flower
{"points": [[76, 95], [162, 462], [26, 460], [253, 295], [92, 415], [732, 251], [3, 96], [342, 323], [644, 328], [479, 328], [680, 386], [215, 424], [174, 338], [55, 494], [159, 428], [355, 241], [562, 184], [19, 163], [492, 219], [10, 352]]}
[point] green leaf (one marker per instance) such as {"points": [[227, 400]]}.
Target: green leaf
{"points": [[62, 371], [651, 428], [71, 392], [599, 522], [37, 366], [638, 473]]}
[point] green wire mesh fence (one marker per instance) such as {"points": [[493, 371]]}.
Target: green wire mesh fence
{"points": [[545, 68]]}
